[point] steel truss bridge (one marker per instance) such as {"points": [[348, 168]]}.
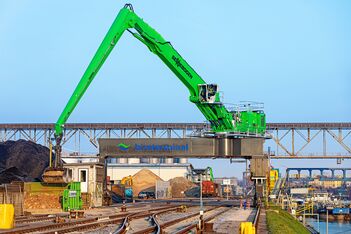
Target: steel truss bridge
{"points": [[322, 176], [288, 140]]}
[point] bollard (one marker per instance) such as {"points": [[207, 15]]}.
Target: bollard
{"points": [[247, 228]]}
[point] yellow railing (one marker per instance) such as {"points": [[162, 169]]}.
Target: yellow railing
{"points": [[308, 208]]}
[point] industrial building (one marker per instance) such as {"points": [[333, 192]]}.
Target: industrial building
{"points": [[117, 168]]}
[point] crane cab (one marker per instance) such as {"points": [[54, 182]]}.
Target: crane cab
{"points": [[208, 93]]}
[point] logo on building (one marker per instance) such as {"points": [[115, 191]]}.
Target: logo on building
{"points": [[153, 147], [123, 147]]}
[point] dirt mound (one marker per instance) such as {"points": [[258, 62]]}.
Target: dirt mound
{"points": [[179, 185], [29, 158], [13, 174], [144, 180], [42, 201]]}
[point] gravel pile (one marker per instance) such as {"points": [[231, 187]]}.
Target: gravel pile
{"points": [[179, 186]]}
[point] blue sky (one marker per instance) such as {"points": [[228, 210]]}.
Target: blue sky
{"points": [[292, 55]]}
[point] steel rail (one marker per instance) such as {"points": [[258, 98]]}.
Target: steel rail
{"points": [[37, 219], [186, 229], [55, 226], [159, 227], [85, 226], [257, 216], [126, 222]]}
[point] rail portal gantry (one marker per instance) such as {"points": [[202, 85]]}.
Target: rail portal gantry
{"points": [[289, 140]]}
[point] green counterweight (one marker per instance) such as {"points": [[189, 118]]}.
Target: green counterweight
{"points": [[204, 96]]}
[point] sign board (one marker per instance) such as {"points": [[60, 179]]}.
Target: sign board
{"points": [[180, 147], [72, 193], [226, 181], [299, 190], [163, 189]]}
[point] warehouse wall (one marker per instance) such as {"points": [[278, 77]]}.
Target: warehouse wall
{"points": [[117, 172]]}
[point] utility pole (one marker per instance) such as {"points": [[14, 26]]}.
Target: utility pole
{"points": [[327, 231], [201, 207], [328, 208]]}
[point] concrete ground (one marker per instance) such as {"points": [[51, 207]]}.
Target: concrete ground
{"points": [[229, 222]]}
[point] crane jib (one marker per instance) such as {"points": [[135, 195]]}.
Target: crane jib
{"points": [[179, 64]]}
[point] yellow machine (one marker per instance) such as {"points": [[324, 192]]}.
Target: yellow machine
{"points": [[127, 181], [273, 178]]}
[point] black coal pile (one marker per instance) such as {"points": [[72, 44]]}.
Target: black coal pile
{"points": [[13, 174], [22, 160]]}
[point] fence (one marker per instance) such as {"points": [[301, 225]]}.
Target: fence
{"points": [[13, 194]]}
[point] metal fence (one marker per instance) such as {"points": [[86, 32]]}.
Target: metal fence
{"points": [[13, 194]]}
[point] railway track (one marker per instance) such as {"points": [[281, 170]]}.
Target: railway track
{"points": [[79, 225], [44, 223], [39, 218], [193, 222], [151, 213], [160, 227]]}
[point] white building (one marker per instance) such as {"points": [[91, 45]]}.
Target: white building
{"points": [[165, 168], [117, 168]]}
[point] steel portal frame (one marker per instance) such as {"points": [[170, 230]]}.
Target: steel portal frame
{"points": [[290, 140]]}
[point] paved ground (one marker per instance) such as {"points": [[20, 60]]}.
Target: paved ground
{"points": [[229, 221]]}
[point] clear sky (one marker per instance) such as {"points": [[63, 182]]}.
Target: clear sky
{"points": [[292, 55]]}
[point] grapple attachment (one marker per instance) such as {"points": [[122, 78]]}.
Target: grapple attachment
{"points": [[56, 176]]}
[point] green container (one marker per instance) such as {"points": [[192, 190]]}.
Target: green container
{"points": [[72, 197]]}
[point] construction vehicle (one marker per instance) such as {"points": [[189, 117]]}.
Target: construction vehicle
{"points": [[123, 190], [209, 187], [239, 122], [127, 184]]}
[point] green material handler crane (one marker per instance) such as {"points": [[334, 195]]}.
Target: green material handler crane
{"points": [[236, 123]]}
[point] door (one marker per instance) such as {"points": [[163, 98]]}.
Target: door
{"points": [[83, 178]]}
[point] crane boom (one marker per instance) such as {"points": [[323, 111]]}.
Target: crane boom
{"points": [[204, 96], [220, 118]]}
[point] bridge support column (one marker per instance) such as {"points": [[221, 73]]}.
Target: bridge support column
{"points": [[259, 170]]}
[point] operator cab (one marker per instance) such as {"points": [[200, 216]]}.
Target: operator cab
{"points": [[208, 93]]}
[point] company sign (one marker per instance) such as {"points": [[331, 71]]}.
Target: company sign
{"points": [[154, 147], [179, 147], [151, 147]]}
